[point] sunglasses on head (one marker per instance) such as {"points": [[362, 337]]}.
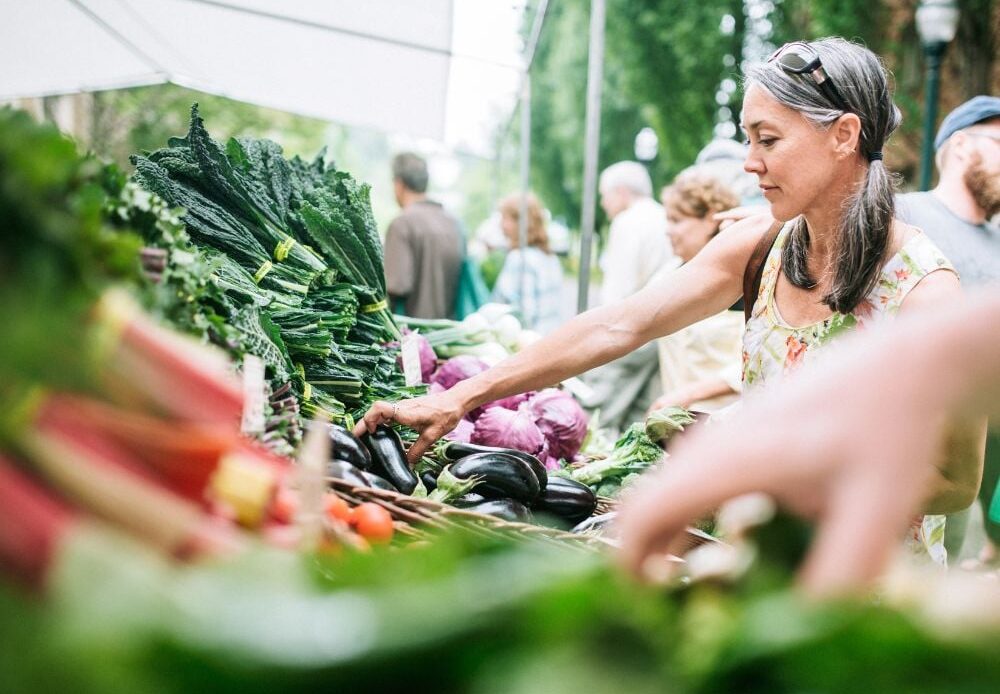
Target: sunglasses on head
{"points": [[799, 58]]}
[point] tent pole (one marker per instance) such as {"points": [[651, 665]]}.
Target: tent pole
{"points": [[595, 76], [522, 217]]}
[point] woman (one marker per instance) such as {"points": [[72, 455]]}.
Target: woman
{"points": [[817, 116], [699, 365], [536, 266]]}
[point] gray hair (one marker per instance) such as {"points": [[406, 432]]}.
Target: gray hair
{"points": [[630, 175], [411, 170], [863, 239]]}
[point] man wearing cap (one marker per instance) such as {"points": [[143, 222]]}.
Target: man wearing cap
{"points": [[958, 215]]}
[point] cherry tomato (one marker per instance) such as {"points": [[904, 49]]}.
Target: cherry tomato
{"points": [[372, 522], [284, 506], [336, 508]]}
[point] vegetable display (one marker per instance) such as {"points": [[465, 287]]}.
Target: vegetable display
{"points": [[288, 259], [146, 544]]}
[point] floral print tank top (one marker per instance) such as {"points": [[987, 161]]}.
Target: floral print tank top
{"points": [[772, 348]]}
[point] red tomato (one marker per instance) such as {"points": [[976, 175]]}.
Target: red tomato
{"points": [[284, 506], [372, 522], [336, 508]]}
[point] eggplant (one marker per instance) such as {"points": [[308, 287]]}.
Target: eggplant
{"points": [[467, 500], [567, 499], [347, 472], [345, 446], [501, 475], [430, 480], [376, 482], [506, 509], [389, 459], [456, 450]]}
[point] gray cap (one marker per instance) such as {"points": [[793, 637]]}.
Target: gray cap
{"points": [[722, 148], [975, 110]]}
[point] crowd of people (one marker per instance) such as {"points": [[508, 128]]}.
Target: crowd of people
{"points": [[731, 293]]}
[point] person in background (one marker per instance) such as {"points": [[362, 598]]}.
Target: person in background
{"points": [[424, 246], [957, 215], [637, 248], [862, 469], [536, 265], [699, 365], [637, 244], [722, 159]]}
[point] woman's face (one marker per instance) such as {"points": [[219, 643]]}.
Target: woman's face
{"points": [[688, 235], [508, 223], [795, 163]]}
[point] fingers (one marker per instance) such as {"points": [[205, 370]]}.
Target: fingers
{"points": [[426, 439], [378, 413], [868, 513], [654, 515]]}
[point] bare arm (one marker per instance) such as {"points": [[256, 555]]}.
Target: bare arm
{"points": [[695, 392], [704, 286]]}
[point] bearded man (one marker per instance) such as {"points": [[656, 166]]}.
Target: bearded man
{"points": [[959, 215]]}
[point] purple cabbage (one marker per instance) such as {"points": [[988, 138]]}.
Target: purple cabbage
{"points": [[458, 369], [462, 432], [561, 420], [505, 428], [511, 402]]}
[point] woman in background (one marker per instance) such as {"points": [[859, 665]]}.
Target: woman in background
{"points": [[699, 365], [539, 268]]}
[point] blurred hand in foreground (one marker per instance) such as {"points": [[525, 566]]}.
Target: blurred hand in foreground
{"points": [[851, 442]]}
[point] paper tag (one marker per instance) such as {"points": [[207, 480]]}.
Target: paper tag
{"points": [[253, 395], [411, 360]]}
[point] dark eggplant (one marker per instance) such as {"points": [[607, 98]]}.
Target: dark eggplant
{"points": [[376, 482], [430, 480], [470, 499], [456, 450], [345, 446], [567, 499], [501, 476], [389, 459], [347, 472], [506, 509]]}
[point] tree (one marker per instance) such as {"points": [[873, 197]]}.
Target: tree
{"points": [[663, 65]]}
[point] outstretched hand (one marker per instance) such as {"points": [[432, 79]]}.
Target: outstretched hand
{"points": [[432, 416], [851, 444]]}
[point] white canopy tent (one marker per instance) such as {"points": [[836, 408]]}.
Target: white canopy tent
{"points": [[383, 64]]}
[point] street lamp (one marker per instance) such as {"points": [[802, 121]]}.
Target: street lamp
{"points": [[937, 21]]}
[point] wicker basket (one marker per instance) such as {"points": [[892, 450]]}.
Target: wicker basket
{"points": [[415, 516]]}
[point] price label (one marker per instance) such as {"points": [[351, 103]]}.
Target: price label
{"points": [[253, 395], [411, 360]]}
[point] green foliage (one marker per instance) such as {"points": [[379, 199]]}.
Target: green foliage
{"points": [[126, 121], [463, 613], [663, 65], [57, 252]]}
